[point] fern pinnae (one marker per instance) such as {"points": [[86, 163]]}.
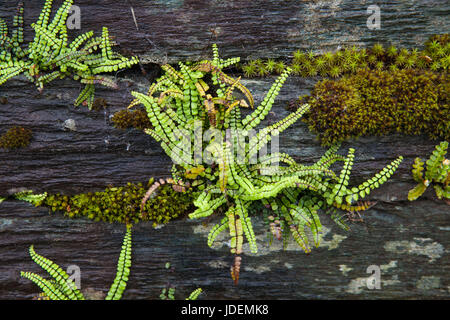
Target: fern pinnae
{"points": [[45, 285], [60, 276], [194, 294], [340, 189], [216, 230], [265, 135], [123, 269], [314, 224], [253, 119], [242, 211]]}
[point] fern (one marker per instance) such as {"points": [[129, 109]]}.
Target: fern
{"points": [[28, 196], [437, 172], [50, 56], [62, 288], [200, 96], [168, 293], [194, 294], [123, 269]]}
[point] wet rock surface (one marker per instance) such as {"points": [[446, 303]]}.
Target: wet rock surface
{"points": [[409, 241]]}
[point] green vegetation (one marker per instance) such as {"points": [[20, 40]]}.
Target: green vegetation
{"points": [[380, 102], [30, 197], [437, 172], [125, 119], [435, 57], [122, 204], [50, 55], [61, 287], [201, 96], [16, 137], [168, 293]]}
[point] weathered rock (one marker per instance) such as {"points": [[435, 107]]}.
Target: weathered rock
{"points": [[409, 241], [177, 29]]}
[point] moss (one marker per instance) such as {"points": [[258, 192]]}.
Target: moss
{"points": [[435, 56], [380, 102], [122, 204], [16, 137], [99, 104], [125, 119]]}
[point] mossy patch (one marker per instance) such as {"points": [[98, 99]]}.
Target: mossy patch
{"points": [[122, 204], [380, 102], [16, 137], [99, 104], [125, 119], [435, 57]]}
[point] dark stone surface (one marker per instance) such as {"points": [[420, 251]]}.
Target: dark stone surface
{"points": [[408, 240], [176, 29]]}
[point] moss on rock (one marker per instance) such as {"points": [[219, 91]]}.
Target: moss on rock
{"points": [[125, 119], [380, 102], [16, 137], [122, 204]]}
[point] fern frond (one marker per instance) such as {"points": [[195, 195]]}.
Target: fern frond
{"points": [[266, 134], [437, 171], [29, 196], [45, 285], [87, 94], [416, 192], [123, 269], [340, 189], [381, 177], [330, 157], [207, 208], [194, 294], [252, 120], [49, 56], [435, 160], [59, 275], [216, 230], [241, 209]]}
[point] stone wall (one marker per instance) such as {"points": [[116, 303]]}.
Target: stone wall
{"points": [[408, 240]]}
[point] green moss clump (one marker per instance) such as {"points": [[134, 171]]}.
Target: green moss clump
{"points": [[381, 102], [435, 57], [125, 119], [122, 204], [16, 137], [99, 104]]}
